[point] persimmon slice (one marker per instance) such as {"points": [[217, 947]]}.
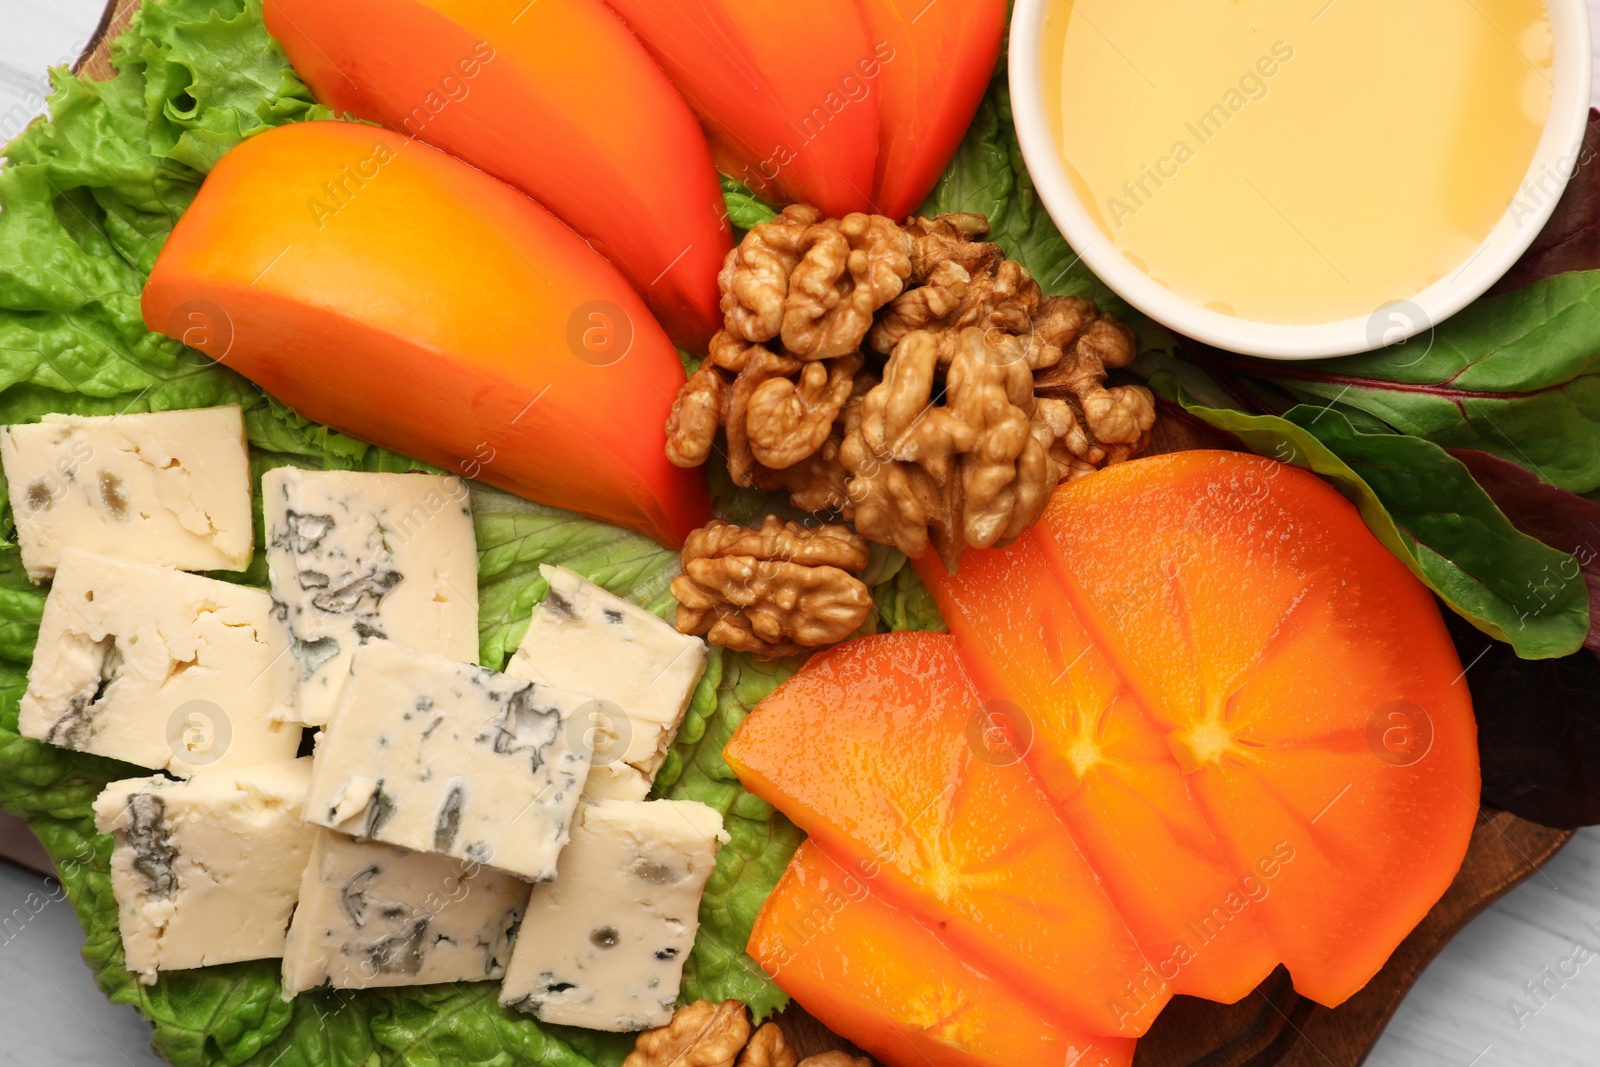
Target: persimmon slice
{"points": [[874, 749], [1108, 771], [879, 978], [1231, 734], [1304, 683], [398, 295]]}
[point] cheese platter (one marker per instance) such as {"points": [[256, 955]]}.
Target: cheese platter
{"points": [[489, 686]]}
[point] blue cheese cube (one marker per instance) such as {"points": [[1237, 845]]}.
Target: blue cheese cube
{"points": [[156, 667], [170, 487], [436, 755], [355, 556], [642, 671], [603, 945], [375, 915], [205, 871]]}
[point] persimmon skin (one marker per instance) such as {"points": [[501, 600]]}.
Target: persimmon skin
{"points": [[398, 295], [787, 92], [944, 55], [870, 971], [556, 98], [871, 749]]}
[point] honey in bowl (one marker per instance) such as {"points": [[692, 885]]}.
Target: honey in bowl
{"points": [[1297, 161]]}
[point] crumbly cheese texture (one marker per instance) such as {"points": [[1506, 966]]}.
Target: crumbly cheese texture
{"points": [[355, 556], [169, 487], [207, 870], [436, 755], [643, 672], [603, 945], [156, 667], [374, 915]]}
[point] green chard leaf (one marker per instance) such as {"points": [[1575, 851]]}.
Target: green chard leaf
{"points": [[1425, 507], [1517, 376]]}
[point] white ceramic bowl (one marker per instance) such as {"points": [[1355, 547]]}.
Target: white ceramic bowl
{"points": [[1553, 162]]}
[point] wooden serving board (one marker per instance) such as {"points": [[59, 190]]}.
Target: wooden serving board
{"points": [[1273, 1026]]}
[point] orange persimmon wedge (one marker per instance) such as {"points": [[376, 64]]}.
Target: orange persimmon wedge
{"points": [[942, 56], [1108, 772], [870, 971], [1303, 680], [558, 99], [393, 292], [787, 92], [872, 748]]}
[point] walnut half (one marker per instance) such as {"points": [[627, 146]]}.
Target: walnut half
{"points": [[969, 469], [701, 1034], [774, 591], [768, 1048], [835, 1059]]}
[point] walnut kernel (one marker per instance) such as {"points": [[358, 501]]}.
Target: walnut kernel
{"points": [[696, 415], [773, 591], [790, 418], [767, 1048], [701, 1034], [835, 1059], [848, 269], [972, 471], [755, 276]]}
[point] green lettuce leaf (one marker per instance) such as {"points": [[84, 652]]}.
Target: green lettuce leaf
{"points": [[899, 599], [515, 536], [760, 841], [1425, 507], [745, 210]]}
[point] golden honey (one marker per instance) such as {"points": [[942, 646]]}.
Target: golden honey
{"points": [[1297, 161]]}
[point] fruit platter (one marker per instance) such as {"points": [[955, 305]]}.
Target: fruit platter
{"points": [[705, 534]]}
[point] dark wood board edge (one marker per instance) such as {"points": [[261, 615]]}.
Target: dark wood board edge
{"points": [[1274, 1026]]}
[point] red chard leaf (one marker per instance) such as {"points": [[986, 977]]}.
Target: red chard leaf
{"points": [[1560, 519], [1571, 239], [1538, 728]]}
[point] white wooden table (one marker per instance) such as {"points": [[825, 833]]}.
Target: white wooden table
{"points": [[1461, 1014]]}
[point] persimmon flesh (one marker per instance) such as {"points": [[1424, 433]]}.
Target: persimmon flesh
{"points": [[1107, 770], [787, 93], [831, 939], [556, 98], [870, 750], [1303, 680], [942, 57], [396, 294]]}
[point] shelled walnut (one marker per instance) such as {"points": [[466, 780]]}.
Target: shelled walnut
{"points": [[704, 1034], [777, 590], [971, 471], [835, 1059], [820, 396], [813, 283], [798, 296], [768, 1048], [701, 1034]]}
